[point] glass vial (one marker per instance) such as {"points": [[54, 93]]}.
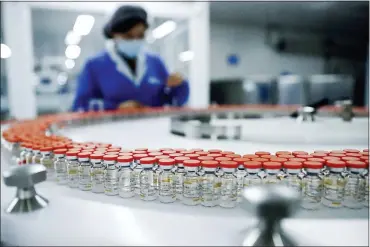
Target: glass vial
{"points": [[367, 185], [253, 170], [240, 174], [210, 184], [334, 184], [97, 173], [273, 174], [293, 178], [84, 171], [179, 176], [166, 181], [191, 193], [29, 155], [148, 191], [110, 175], [355, 186], [60, 166], [36, 155], [47, 161], [125, 181], [25, 148], [136, 170], [312, 185], [72, 166], [229, 184]]}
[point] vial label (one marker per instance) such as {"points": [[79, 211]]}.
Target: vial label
{"points": [[191, 191], [210, 191], [111, 182], [85, 178], [178, 181], [97, 177], [228, 193], [333, 193], [294, 182], [147, 188], [136, 177], [367, 189], [73, 177], [354, 192], [125, 185], [166, 189]]}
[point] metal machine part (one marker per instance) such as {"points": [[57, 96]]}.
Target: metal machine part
{"points": [[271, 203], [306, 114], [346, 112], [24, 178]]}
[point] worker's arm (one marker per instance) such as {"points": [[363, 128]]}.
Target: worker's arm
{"points": [[177, 89], [87, 89]]}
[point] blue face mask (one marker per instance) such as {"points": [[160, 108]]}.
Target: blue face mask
{"points": [[130, 48]]}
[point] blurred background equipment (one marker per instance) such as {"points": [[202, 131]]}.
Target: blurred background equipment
{"points": [[232, 53]]}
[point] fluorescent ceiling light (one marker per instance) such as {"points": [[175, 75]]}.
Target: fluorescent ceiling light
{"points": [[72, 38], [83, 24], [6, 52], [186, 56], [73, 51], [69, 63], [164, 29]]}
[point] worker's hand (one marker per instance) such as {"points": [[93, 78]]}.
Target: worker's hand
{"points": [[130, 104], [174, 80]]}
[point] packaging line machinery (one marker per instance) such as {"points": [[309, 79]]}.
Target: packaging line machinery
{"points": [[74, 217]]}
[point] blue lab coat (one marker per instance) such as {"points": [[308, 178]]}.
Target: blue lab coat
{"points": [[107, 76]]}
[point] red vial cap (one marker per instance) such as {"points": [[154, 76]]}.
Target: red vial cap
{"points": [[201, 158], [336, 163], [283, 153], [214, 151], [252, 164], [72, 153], [349, 158], [139, 152], [181, 159], [259, 153], [147, 160], [59, 146], [365, 150], [110, 157], [162, 157], [103, 145], [321, 151], [313, 165], [331, 158], [228, 164], [271, 165], [46, 149], [355, 164], [96, 156], [60, 151], [353, 155], [316, 160], [125, 159], [166, 162], [318, 155], [187, 152], [192, 156], [202, 153], [84, 155], [141, 149], [364, 158], [240, 160], [233, 156], [295, 153], [114, 150], [165, 149], [268, 156], [279, 159], [124, 154], [293, 165], [364, 153], [260, 159], [224, 153], [351, 150], [175, 155], [167, 152], [337, 155], [196, 150], [304, 156], [154, 154], [223, 159], [139, 156], [337, 152], [191, 163], [285, 156], [112, 153], [214, 155], [209, 163], [250, 156], [178, 150]]}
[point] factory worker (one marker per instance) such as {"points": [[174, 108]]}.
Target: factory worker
{"points": [[124, 74]]}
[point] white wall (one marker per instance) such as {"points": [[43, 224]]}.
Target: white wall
{"points": [[258, 57]]}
